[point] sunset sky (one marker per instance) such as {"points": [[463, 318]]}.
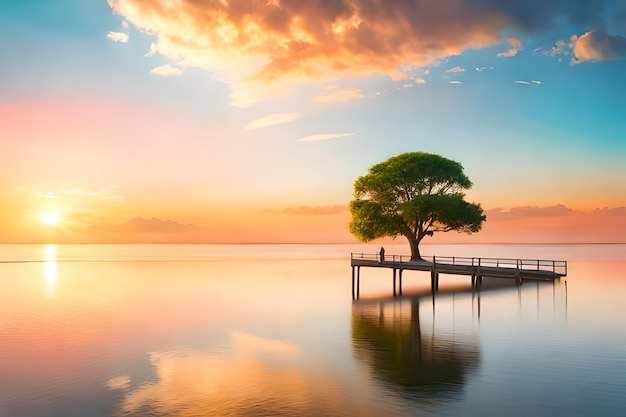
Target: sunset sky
{"points": [[232, 121]]}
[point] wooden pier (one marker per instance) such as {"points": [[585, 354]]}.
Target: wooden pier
{"points": [[476, 268]]}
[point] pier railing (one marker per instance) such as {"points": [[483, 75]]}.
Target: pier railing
{"points": [[376, 257], [557, 267]]}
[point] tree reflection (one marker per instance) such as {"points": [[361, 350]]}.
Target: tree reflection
{"points": [[389, 337]]}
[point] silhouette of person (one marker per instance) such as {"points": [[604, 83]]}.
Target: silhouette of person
{"points": [[382, 254]]}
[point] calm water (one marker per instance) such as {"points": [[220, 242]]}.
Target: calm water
{"points": [[202, 330]]}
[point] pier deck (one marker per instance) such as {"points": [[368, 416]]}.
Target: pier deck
{"points": [[476, 268]]}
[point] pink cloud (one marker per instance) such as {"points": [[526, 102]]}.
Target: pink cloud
{"points": [[554, 224], [529, 212]]}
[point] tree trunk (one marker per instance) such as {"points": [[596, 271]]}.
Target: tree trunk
{"points": [[415, 249]]}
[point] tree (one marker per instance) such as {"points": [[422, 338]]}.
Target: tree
{"points": [[414, 195]]}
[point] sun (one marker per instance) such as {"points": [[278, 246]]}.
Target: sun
{"points": [[51, 218]]}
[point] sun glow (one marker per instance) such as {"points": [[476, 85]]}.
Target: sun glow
{"points": [[51, 219]]}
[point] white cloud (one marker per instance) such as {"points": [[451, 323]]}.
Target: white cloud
{"points": [[166, 70], [48, 195], [521, 82], [456, 69], [339, 95], [273, 119], [324, 136], [536, 82], [118, 37], [419, 80], [456, 82]]}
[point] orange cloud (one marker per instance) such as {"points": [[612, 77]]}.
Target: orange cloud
{"points": [[516, 46], [256, 46], [317, 211], [596, 46]]}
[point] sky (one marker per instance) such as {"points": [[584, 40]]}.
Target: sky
{"points": [[232, 121]]}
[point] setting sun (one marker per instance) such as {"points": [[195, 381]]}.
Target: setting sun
{"points": [[51, 219]]}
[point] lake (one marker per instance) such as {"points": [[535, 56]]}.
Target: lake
{"points": [[272, 330]]}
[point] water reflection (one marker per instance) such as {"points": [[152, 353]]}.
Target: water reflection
{"points": [[50, 271], [408, 353], [259, 376]]}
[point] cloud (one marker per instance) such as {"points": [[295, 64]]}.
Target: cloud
{"points": [[166, 70], [516, 46], [456, 82], [596, 45], [105, 194], [258, 47], [521, 82], [323, 136], [610, 212], [419, 80], [481, 69], [268, 48], [559, 48], [316, 211], [339, 95], [118, 37], [552, 224], [456, 69], [540, 15], [155, 225], [558, 210], [47, 195], [274, 119], [536, 82]]}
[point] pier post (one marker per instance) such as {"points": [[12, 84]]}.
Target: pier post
{"points": [[353, 283], [400, 277], [358, 281], [432, 280], [394, 282]]}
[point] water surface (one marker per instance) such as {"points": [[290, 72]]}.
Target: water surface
{"points": [[198, 330]]}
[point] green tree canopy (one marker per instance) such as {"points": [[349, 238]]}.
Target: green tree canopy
{"points": [[414, 194]]}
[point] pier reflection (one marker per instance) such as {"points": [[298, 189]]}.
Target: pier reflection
{"points": [[401, 343]]}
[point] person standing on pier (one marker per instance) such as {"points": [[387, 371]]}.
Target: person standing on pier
{"points": [[382, 254]]}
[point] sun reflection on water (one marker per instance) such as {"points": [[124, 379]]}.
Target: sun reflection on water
{"points": [[50, 271]]}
